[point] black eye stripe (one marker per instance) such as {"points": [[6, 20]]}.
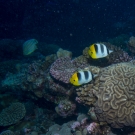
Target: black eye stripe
{"points": [[79, 76], [96, 48]]}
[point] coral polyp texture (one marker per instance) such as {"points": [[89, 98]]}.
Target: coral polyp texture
{"points": [[65, 108], [85, 95], [62, 69], [12, 114], [116, 95]]}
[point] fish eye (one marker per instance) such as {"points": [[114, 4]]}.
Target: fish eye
{"points": [[74, 80], [91, 52]]}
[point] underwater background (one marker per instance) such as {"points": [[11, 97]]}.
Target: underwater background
{"points": [[43, 43]]}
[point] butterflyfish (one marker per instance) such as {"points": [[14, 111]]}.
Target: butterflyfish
{"points": [[81, 77], [98, 50]]}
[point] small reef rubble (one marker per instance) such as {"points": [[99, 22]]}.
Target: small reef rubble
{"points": [[47, 103]]}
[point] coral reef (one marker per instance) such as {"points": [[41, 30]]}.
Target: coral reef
{"points": [[39, 122], [48, 61], [35, 78], [80, 62], [63, 68], [75, 125], [59, 88], [108, 98], [93, 128], [13, 80], [59, 130], [116, 92], [118, 55], [92, 114], [30, 78], [85, 95], [63, 53], [70, 128], [82, 126], [7, 132], [12, 114], [65, 108], [6, 99], [131, 44]]}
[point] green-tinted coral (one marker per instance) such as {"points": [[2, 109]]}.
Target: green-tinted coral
{"points": [[7, 132], [12, 114]]}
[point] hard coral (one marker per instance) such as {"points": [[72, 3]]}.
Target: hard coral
{"points": [[118, 55], [59, 130], [31, 77], [93, 128], [63, 53], [34, 78], [85, 94], [65, 108], [12, 114], [92, 114], [7, 132], [62, 69], [116, 94], [80, 62], [58, 88], [131, 44]]}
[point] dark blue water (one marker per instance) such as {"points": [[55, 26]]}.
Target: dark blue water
{"points": [[71, 24]]}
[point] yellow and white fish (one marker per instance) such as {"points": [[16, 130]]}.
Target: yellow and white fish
{"points": [[81, 77], [29, 46], [98, 50]]}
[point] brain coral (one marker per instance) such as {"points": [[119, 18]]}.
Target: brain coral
{"points": [[12, 114], [116, 95]]}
